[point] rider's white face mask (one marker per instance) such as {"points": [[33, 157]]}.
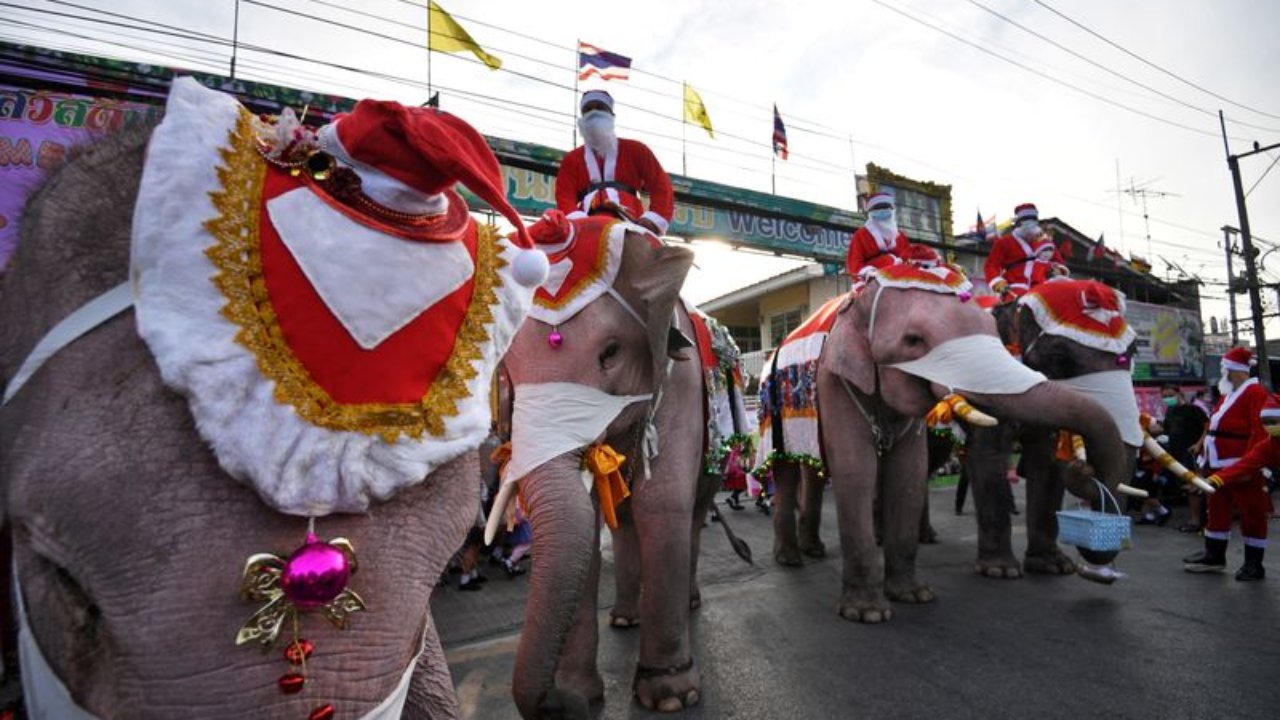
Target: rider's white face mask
{"points": [[597, 130]]}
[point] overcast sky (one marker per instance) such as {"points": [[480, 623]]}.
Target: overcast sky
{"points": [[856, 82]]}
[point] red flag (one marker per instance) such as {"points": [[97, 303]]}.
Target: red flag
{"points": [[1098, 250]]}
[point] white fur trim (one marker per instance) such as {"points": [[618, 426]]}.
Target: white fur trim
{"points": [[1051, 326], [576, 214], [657, 220], [1232, 365], [1030, 212], [530, 268], [393, 282], [296, 467], [1210, 442]]}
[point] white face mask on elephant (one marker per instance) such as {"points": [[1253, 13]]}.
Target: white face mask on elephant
{"points": [[549, 420], [973, 364], [1113, 390]]}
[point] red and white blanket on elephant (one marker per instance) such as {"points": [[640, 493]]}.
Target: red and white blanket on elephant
{"points": [[788, 385], [330, 358]]}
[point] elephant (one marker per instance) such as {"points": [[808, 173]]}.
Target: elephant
{"points": [[612, 342], [1051, 345], [879, 358], [129, 532]]}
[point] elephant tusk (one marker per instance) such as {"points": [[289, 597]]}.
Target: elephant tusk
{"points": [[1167, 462], [1131, 491], [1077, 447], [499, 511], [969, 413]]}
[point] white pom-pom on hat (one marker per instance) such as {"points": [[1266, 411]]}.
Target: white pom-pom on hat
{"points": [[530, 268]]}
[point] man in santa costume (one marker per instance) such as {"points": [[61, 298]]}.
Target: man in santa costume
{"points": [[1236, 426], [608, 171], [878, 243], [1023, 258]]}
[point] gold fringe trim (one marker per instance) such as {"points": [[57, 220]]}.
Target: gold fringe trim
{"points": [[237, 256]]}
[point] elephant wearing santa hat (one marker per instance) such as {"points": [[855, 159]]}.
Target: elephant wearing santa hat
{"points": [[247, 368]]}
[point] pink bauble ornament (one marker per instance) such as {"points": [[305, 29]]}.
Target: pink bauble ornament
{"points": [[555, 339], [315, 574], [964, 295]]}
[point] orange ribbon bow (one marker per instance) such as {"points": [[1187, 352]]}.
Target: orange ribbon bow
{"points": [[604, 464]]}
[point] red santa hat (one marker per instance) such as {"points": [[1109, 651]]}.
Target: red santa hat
{"points": [[1238, 359], [1026, 211], [923, 255], [1271, 409], [596, 96], [426, 151], [1086, 311], [880, 199]]}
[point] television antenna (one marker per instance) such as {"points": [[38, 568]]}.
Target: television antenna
{"points": [[1140, 192]]}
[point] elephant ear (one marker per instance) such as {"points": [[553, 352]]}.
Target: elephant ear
{"points": [[654, 276], [847, 352]]}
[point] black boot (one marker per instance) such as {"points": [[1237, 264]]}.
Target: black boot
{"points": [[1252, 568], [1212, 559]]}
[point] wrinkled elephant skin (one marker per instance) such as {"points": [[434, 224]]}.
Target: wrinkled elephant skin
{"points": [[130, 540], [606, 348]]}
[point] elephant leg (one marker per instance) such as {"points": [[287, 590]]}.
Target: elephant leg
{"points": [[667, 678], [431, 693], [903, 470], [1045, 489], [853, 466], [577, 671], [626, 572], [928, 536], [786, 492], [985, 463], [812, 485]]}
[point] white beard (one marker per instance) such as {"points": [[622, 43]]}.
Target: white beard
{"points": [[1225, 387], [597, 132], [888, 229], [1026, 235]]}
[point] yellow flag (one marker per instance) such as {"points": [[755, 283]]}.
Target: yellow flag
{"points": [[446, 35], [695, 111]]}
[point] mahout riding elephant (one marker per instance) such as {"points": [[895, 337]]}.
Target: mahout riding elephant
{"points": [[204, 468], [606, 365], [849, 389], [1073, 331]]}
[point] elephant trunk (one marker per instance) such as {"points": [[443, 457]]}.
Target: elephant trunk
{"points": [[563, 517], [1052, 405]]}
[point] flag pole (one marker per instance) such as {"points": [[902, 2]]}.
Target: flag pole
{"points": [[684, 160], [235, 40], [577, 59], [429, 48], [773, 165]]}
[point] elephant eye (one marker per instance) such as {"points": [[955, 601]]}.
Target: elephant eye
{"points": [[913, 340], [609, 352]]}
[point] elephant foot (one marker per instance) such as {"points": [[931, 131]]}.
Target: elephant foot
{"points": [[864, 606], [695, 599], [814, 548], [669, 689], [581, 685], [623, 622], [908, 590], [1000, 568], [564, 705], [928, 536], [1051, 563], [788, 557]]}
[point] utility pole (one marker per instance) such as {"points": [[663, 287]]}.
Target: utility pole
{"points": [[1227, 232], [1246, 246]]}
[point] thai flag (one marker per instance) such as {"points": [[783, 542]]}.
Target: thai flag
{"points": [[984, 229], [592, 61], [779, 134]]}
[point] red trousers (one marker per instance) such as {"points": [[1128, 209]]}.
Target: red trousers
{"points": [[1253, 502]]}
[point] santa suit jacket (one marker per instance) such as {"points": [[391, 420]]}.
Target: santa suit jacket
{"points": [[867, 248], [621, 175], [1235, 425], [1015, 260], [1264, 454]]}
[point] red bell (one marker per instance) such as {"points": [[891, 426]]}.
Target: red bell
{"points": [[291, 683], [298, 651], [324, 712]]}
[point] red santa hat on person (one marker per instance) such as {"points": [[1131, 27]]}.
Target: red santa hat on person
{"points": [[409, 158], [1238, 359], [1270, 413], [880, 200], [599, 96], [1026, 211]]}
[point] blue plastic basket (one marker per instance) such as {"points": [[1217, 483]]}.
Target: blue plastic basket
{"points": [[1094, 530]]}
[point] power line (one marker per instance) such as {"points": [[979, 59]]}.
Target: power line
{"points": [[1111, 71], [1045, 75], [1147, 62]]}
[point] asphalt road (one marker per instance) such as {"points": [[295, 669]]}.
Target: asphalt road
{"points": [[1159, 643]]}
